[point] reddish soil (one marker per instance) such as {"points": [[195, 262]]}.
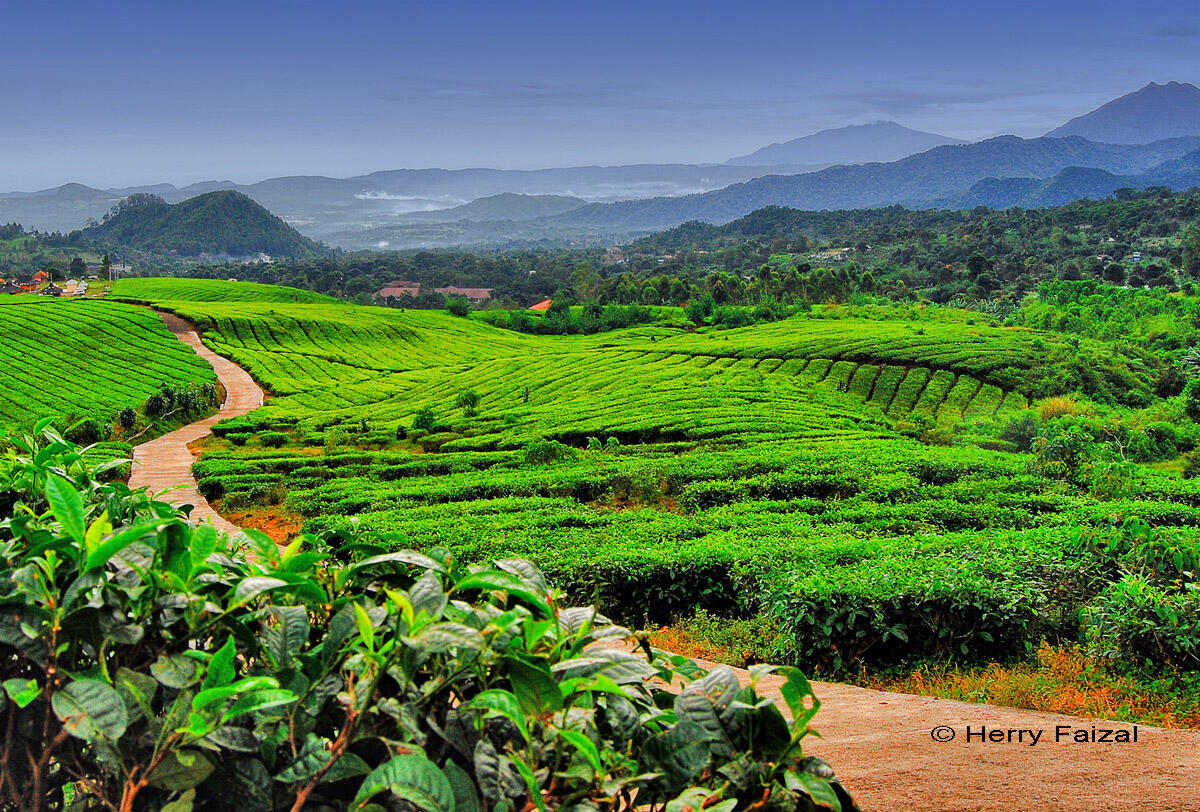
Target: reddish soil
{"points": [[166, 462], [879, 743]]}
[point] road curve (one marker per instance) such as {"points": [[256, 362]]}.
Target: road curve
{"points": [[166, 462]]}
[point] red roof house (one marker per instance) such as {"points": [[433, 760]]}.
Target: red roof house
{"points": [[473, 295], [543, 305], [400, 288]]}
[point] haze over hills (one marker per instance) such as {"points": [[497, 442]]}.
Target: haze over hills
{"points": [[505, 206], [584, 205], [1151, 114], [217, 224], [880, 141]]}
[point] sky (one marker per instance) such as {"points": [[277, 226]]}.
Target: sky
{"points": [[125, 93]]}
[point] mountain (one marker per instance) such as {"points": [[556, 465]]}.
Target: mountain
{"points": [[59, 209], [218, 224], [921, 180], [1075, 183], [320, 206], [505, 206], [881, 142], [1151, 114]]}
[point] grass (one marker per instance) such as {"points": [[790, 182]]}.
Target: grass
{"points": [[1058, 680]]}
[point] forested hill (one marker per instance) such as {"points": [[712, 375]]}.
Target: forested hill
{"points": [[224, 223]]}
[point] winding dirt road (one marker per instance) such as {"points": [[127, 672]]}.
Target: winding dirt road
{"points": [[882, 745], [166, 462]]}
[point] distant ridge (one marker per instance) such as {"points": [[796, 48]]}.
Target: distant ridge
{"points": [[880, 142], [1151, 114]]}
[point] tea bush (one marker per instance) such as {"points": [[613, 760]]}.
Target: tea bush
{"points": [[150, 664]]}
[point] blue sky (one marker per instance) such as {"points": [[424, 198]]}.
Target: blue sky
{"points": [[134, 92]]}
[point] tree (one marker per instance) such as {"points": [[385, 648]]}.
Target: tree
{"points": [[1114, 274], [77, 268], [1191, 399], [1191, 250], [106, 266], [468, 401], [457, 306]]}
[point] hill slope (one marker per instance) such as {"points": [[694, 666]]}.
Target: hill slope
{"points": [[881, 141], [1151, 114], [222, 223]]}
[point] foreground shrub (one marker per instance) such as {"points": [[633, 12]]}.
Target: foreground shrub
{"points": [[149, 664]]}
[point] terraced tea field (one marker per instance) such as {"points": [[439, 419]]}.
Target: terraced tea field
{"points": [[210, 290], [762, 472], [86, 359]]}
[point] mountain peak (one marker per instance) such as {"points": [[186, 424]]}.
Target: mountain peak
{"points": [[876, 142], [1153, 113]]}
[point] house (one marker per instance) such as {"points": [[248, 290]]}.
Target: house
{"points": [[472, 295], [27, 283], [399, 288], [543, 305], [41, 276], [70, 287], [52, 290], [11, 287]]}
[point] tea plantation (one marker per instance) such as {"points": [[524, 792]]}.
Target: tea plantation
{"points": [[854, 482], [86, 359]]}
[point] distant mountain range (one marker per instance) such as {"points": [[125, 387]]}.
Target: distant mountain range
{"points": [[1151, 114], [215, 224], [1119, 144], [882, 141], [920, 181]]}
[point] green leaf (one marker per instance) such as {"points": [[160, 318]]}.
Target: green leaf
{"points": [[534, 687], [220, 666], [437, 638], [503, 581], [289, 634], [106, 549], [466, 797], [89, 709], [794, 692], [502, 703], [243, 686], [818, 789], [175, 671], [180, 770], [22, 691], [67, 506], [413, 778], [181, 804], [703, 703], [586, 747], [535, 790], [250, 588], [258, 701], [402, 557], [366, 629]]}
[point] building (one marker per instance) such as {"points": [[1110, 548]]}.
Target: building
{"points": [[41, 276], [52, 290], [28, 283], [11, 287], [543, 305], [472, 295], [399, 288]]}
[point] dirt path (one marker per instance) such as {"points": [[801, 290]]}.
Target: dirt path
{"points": [[881, 747], [166, 462], [879, 743]]}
